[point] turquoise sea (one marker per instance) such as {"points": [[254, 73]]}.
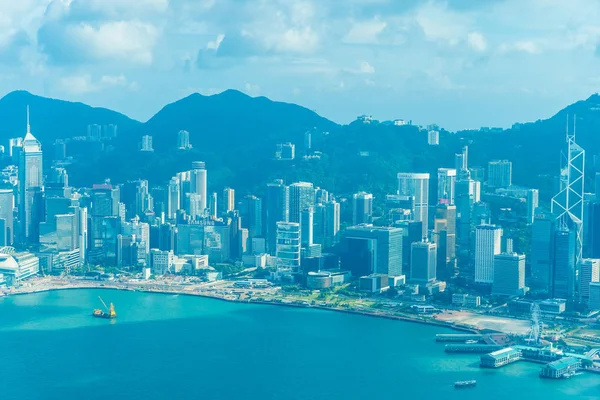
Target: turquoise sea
{"points": [[181, 347]]}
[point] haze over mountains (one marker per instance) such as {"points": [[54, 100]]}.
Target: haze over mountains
{"points": [[236, 135]]}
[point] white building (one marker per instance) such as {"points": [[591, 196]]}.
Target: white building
{"points": [[198, 182], [433, 137], [146, 143], [160, 262], [288, 248], [488, 243], [416, 185], [183, 140]]}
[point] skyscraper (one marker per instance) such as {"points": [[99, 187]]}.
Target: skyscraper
{"points": [[362, 208], [276, 211], [301, 197], [6, 214], [509, 274], [423, 262], [389, 246], [446, 181], [488, 243], [198, 182], [461, 161], [532, 203], [306, 226], [228, 200], [30, 182], [589, 273], [567, 205], [332, 223], [565, 256], [173, 198], [542, 251], [499, 174], [288, 247], [416, 185]]}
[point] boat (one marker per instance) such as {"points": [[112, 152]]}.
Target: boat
{"points": [[465, 384], [108, 314]]}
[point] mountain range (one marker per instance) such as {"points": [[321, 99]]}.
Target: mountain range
{"points": [[236, 135]]}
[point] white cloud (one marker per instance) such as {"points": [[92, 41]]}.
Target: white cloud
{"points": [[214, 45], [477, 41], [366, 68], [84, 83], [439, 23], [129, 41], [365, 32]]}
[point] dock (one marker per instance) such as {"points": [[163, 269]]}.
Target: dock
{"points": [[457, 337], [471, 348]]}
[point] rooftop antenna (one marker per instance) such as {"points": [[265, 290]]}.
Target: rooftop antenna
{"points": [[28, 126]]}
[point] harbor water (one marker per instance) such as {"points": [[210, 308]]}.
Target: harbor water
{"points": [[164, 346]]}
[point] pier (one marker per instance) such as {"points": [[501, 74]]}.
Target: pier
{"points": [[471, 348], [457, 337]]}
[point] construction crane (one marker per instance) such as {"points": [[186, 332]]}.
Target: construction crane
{"points": [[110, 311]]}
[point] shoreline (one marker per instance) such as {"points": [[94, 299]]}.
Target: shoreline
{"points": [[415, 320]]}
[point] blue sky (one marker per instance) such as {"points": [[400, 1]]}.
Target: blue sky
{"points": [[458, 63]]}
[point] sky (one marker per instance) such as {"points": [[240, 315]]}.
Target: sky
{"points": [[458, 63]]}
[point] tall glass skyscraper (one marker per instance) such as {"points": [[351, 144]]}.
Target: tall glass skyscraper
{"points": [[30, 182], [416, 185]]}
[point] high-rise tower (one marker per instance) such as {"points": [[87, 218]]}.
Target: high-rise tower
{"points": [[198, 181], [30, 182], [416, 185], [567, 204]]}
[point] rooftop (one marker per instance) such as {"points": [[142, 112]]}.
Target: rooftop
{"points": [[563, 363]]}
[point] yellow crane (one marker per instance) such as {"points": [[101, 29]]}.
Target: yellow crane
{"points": [[110, 311]]}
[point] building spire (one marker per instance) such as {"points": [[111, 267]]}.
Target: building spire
{"points": [[28, 126]]}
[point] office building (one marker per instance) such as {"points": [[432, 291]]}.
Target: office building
{"points": [[594, 299], [332, 223], [499, 174], [30, 183], [362, 208], [509, 275], [306, 227], [417, 186], [136, 197], [589, 273], [488, 243], [445, 188], [198, 182], [173, 198], [7, 205], [301, 197], [276, 210], [423, 262], [593, 229], [288, 250], [461, 161], [542, 251], [565, 253], [359, 255], [533, 196], [183, 140], [251, 212], [388, 246], [228, 200]]}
